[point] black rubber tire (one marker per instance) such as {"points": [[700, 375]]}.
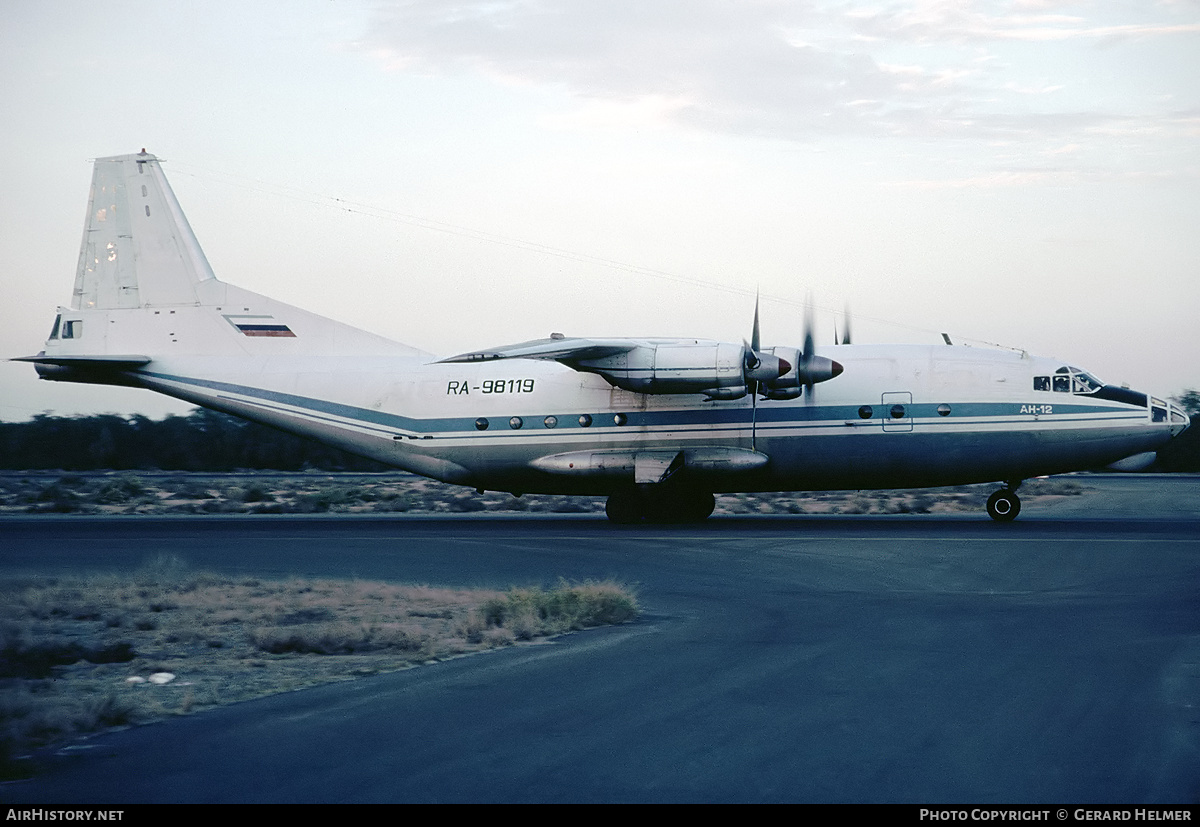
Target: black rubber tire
{"points": [[674, 505], [1004, 506], [700, 506], [624, 507]]}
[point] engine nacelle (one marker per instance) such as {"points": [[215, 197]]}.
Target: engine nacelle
{"points": [[673, 366], [787, 386], [713, 368], [800, 372]]}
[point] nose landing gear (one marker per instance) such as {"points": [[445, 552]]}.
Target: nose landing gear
{"points": [[1004, 505]]}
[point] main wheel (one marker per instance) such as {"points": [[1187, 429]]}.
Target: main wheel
{"points": [[1004, 506], [625, 507], [653, 505], [678, 505], [699, 506]]}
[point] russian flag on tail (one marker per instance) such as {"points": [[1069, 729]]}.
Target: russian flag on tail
{"points": [[260, 326]]}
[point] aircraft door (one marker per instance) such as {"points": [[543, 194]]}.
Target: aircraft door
{"points": [[897, 411]]}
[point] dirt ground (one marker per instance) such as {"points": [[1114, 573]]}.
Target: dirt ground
{"points": [[86, 654], [316, 492], [83, 654]]}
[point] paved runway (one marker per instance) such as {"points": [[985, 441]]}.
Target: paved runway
{"points": [[913, 658]]}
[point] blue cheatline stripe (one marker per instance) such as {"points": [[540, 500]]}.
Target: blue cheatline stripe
{"points": [[715, 418], [601, 421], [928, 410], [307, 403], [313, 416]]}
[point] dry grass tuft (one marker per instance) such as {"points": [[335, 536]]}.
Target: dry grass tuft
{"points": [[532, 612], [77, 654]]}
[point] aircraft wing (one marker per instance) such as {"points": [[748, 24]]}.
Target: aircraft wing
{"points": [[718, 370], [569, 351]]}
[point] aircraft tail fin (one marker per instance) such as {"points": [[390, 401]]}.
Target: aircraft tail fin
{"points": [[144, 292], [138, 249]]}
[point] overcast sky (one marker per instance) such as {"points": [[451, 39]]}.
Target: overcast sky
{"points": [[458, 175]]}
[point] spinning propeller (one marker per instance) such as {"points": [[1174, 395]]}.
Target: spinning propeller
{"points": [[760, 367], [782, 372], [814, 368], [845, 329]]}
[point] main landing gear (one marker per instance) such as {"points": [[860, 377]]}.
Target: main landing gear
{"points": [[659, 504], [1004, 505]]}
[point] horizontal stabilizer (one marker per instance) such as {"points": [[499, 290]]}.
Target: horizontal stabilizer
{"points": [[98, 369], [116, 362]]}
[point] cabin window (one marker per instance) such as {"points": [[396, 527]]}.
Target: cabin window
{"points": [[585, 420], [54, 331], [866, 412], [897, 412], [481, 424], [943, 409], [620, 419], [72, 329], [550, 421], [515, 423]]}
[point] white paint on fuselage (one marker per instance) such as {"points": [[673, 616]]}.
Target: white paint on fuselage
{"points": [[145, 294], [412, 412]]}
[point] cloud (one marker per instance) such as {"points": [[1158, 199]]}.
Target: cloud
{"points": [[953, 21], [769, 68]]}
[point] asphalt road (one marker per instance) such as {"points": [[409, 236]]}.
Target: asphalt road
{"points": [[914, 658]]}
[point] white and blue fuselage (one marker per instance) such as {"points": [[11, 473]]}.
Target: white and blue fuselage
{"points": [[899, 416], [622, 418]]}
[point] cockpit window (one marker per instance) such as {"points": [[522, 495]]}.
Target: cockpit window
{"points": [[57, 322], [1082, 383], [1067, 380], [1158, 410]]}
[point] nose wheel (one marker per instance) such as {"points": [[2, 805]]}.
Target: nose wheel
{"points": [[1004, 505]]}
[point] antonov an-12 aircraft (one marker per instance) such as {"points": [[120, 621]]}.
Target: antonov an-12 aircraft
{"points": [[657, 425]]}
